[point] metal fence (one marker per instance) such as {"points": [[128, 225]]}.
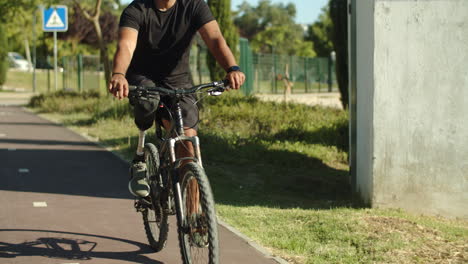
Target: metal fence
{"points": [[81, 73], [75, 73], [266, 72], [306, 74]]}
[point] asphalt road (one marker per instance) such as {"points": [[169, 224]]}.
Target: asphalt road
{"points": [[64, 200]]}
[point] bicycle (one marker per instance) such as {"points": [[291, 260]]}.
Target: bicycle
{"points": [[174, 182]]}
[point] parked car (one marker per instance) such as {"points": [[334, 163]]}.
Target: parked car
{"points": [[19, 62], [46, 65]]}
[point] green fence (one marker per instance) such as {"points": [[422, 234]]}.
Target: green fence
{"points": [[76, 73], [306, 74], [82, 73], [266, 72]]}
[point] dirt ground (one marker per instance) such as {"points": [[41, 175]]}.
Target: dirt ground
{"points": [[323, 99], [14, 98]]}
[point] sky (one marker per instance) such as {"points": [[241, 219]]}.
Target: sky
{"points": [[307, 10]]}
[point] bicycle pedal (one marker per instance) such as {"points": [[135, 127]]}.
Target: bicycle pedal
{"points": [[141, 209], [169, 211], [141, 205]]}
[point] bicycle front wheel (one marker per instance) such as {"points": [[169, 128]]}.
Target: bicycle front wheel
{"points": [[198, 234], [154, 216]]}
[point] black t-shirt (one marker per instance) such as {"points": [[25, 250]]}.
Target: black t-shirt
{"points": [[164, 37]]}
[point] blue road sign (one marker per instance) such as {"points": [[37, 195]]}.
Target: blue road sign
{"points": [[55, 19]]}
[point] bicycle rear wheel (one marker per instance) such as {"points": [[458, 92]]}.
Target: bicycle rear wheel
{"points": [[198, 235], [154, 217]]}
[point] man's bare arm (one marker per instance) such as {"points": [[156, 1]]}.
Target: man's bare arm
{"points": [[212, 36], [125, 47]]}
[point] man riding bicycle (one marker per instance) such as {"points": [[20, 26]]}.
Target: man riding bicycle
{"points": [[153, 50]]}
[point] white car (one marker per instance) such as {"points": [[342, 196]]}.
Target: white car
{"points": [[19, 62]]}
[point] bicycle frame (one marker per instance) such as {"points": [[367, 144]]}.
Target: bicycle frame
{"points": [[168, 142], [167, 146]]}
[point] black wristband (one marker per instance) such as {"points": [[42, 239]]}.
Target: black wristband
{"points": [[233, 68], [115, 73]]}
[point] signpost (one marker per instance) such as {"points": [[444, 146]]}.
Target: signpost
{"points": [[55, 19]]}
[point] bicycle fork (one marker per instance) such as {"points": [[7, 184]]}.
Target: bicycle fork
{"points": [[180, 211], [196, 146]]}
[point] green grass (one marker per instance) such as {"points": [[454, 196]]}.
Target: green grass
{"points": [[279, 173], [23, 81]]}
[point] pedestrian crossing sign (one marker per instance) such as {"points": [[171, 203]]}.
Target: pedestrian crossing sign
{"points": [[55, 19]]}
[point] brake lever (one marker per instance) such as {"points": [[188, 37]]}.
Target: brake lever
{"points": [[216, 91]]}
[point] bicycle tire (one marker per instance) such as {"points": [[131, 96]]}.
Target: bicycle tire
{"points": [[154, 217], [205, 226]]}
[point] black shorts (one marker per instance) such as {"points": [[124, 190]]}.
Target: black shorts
{"points": [[163, 108]]}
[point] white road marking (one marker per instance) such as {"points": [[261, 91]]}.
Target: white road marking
{"points": [[2, 135], [23, 170], [39, 204], [11, 149]]}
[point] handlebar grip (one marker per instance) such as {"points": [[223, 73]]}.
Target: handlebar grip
{"points": [[224, 83]]}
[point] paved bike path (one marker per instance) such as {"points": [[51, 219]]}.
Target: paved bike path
{"points": [[64, 200]]}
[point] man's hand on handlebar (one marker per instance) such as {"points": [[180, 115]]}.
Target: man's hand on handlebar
{"points": [[118, 86], [236, 79]]}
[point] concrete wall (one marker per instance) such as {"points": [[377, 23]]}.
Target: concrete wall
{"points": [[419, 106]]}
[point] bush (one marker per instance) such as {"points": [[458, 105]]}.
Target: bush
{"points": [[97, 107], [65, 101], [248, 118]]}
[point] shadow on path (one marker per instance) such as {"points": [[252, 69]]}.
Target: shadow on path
{"points": [[72, 248], [46, 142], [86, 171]]}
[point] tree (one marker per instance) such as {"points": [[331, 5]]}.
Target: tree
{"points": [[252, 20], [94, 18], [80, 29], [271, 29], [339, 16], [221, 10], [17, 16], [282, 39], [3, 56], [10, 8], [320, 33], [329, 34]]}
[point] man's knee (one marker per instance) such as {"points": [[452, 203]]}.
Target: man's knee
{"points": [[144, 118], [190, 132], [144, 108]]}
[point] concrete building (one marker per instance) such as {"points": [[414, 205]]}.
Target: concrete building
{"points": [[409, 104]]}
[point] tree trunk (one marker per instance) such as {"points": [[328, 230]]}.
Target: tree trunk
{"points": [[287, 83], [28, 52], [339, 16], [103, 51], [97, 27], [222, 12]]}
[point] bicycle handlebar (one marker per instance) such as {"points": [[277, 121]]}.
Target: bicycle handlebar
{"points": [[219, 85]]}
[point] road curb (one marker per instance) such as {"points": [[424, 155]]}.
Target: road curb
{"points": [[233, 230]]}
